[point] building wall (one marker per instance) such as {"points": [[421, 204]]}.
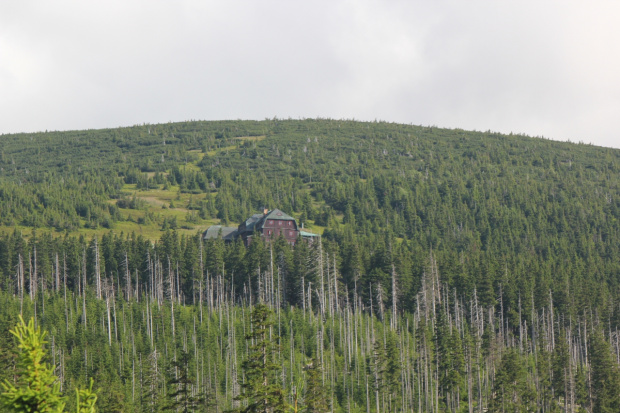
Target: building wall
{"points": [[273, 228]]}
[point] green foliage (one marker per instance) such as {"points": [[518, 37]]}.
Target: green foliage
{"points": [[86, 399], [152, 382], [37, 388], [513, 391], [605, 375], [484, 202], [181, 396], [315, 395], [261, 390], [442, 252]]}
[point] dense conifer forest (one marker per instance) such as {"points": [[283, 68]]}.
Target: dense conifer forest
{"points": [[457, 271]]}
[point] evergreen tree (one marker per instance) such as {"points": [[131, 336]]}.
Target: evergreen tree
{"points": [[315, 395], [181, 396], [392, 371], [560, 365], [512, 390], [261, 389], [605, 376], [151, 400], [38, 389], [8, 358]]}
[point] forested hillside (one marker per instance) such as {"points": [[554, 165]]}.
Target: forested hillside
{"points": [[457, 271]]}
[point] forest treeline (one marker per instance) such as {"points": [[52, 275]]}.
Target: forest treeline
{"points": [[487, 265], [155, 332]]}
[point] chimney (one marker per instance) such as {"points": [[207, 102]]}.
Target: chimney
{"points": [[265, 211]]}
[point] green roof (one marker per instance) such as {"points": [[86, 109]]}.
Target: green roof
{"points": [[278, 215], [308, 234], [213, 232]]}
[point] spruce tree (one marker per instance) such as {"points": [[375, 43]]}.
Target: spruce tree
{"points": [[393, 367], [605, 376], [315, 395], [560, 365], [261, 389], [152, 380], [38, 389], [512, 390], [181, 396]]}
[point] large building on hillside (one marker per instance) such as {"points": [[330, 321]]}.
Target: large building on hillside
{"points": [[268, 225]]}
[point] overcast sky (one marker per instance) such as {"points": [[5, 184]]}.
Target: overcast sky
{"points": [[542, 68]]}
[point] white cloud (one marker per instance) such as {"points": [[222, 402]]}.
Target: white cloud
{"points": [[542, 68]]}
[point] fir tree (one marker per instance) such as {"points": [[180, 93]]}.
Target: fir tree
{"points": [[261, 389], [605, 376], [512, 390], [151, 400], [315, 395], [181, 396], [393, 367], [37, 387]]}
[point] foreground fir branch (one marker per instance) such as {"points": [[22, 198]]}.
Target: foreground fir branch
{"points": [[38, 389]]}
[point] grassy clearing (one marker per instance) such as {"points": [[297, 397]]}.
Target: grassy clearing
{"points": [[309, 226], [158, 205], [189, 167], [163, 197], [147, 221], [154, 232], [197, 153], [251, 138], [224, 148]]}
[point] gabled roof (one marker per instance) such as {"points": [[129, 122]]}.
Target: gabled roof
{"points": [[278, 215], [275, 215], [213, 232]]}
